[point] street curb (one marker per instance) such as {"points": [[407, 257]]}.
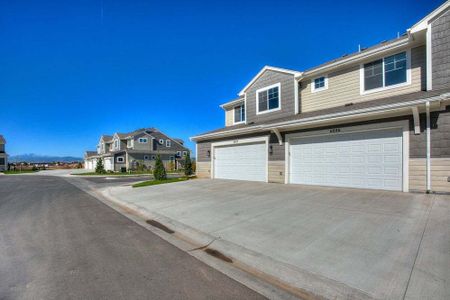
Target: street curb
{"points": [[301, 283]]}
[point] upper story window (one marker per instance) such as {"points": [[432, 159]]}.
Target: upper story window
{"points": [[161, 141], [268, 99], [143, 140], [239, 114], [120, 159], [116, 144], [388, 72], [130, 143], [168, 143], [319, 84], [178, 153]]}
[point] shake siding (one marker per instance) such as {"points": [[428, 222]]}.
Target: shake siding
{"points": [[440, 48], [287, 96], [344, 86]]}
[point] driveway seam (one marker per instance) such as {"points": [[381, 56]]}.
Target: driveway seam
{"points": [[418, 247]]}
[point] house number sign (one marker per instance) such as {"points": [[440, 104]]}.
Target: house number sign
{"points": [[335, 130]]}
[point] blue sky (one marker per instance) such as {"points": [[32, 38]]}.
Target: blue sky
{"points": [[73, 70]]}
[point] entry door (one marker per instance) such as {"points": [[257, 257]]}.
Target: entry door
{"points": [[371, 159], [241, 162]]}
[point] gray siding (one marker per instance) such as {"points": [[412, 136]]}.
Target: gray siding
{"points": [[440, 136], [440, 47], [2, 148], [287, 96], [174, 147]]}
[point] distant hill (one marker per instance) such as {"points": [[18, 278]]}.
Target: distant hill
{"points": [[34, 158]]}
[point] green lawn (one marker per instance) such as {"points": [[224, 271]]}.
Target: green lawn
{"points": [[156, 182], [19, 172]]}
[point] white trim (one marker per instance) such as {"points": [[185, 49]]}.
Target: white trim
{"points": [[422, 24], [266, 88], [245, 103], [234, 114], [427, 107], [146, 157], [313, 84], [384, 87], [122, 159], [429, 59], [264, 139], [168, 143], [326, 118], [404, 125], [144, 140], [296, 104], [231, 103], [266, 68], [161, 141]]}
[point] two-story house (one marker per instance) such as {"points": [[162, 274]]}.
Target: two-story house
{"points": [[378, 119], [3, 155], [126, 151]]}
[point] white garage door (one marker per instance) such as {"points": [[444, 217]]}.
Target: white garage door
{"points": [[108, 164], [241, 162], [370, 160]]}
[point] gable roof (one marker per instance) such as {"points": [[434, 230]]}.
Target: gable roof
{"points": [[268, 68], [106, 138], [423, 24]]}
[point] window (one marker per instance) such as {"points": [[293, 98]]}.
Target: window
{"points": [[319, 84], [184, 153], [386, 72], [172, 158], [239, 114], [143, 140], [161, 141], [146, 157], [120, 159], [116, 144], [153, 157], [168, 143], [268, 99], [178, 153]]}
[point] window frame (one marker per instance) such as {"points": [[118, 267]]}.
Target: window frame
{"points": [[242, 115], [178, 154], [161, 141], [168, 143], [142, 139], [122, 159], [146, 157], [184, 153], [266, 88], [384, 87], [313, 84]]}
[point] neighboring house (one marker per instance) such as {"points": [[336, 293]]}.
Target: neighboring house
{"points": [[378, 118], [126, 151], [3, 155]]}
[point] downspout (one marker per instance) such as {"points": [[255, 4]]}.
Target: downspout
{"points": [[428, 148]]}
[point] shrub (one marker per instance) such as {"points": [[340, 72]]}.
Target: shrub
{"points": [[159, 172], [100, 169], [188, 165], [34, 168]]}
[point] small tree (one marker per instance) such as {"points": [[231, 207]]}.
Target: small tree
{"points": [[100, 169], [188, 165], [159, 172]]}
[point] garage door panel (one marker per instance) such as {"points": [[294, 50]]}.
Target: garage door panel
{"points": [[363, 160], [241, 162]]}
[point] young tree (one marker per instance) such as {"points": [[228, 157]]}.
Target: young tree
{"points": [[188, 165], [100, 169], [159, 172]]}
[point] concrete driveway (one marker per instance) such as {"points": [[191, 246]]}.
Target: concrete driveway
{"points": [[332, 242]]}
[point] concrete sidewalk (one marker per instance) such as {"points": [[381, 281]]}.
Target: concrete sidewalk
{"points": [[332, 243]]}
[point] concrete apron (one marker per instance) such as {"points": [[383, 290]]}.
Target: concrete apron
{"points": [[298, 282]]}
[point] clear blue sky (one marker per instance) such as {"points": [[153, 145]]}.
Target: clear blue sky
{"points": [[73, 70]]}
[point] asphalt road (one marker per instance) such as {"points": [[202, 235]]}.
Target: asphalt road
{"points": [[57, 242]]}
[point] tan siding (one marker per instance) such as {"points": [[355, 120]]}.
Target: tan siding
{"points": [[203, 169], [344, 86], [276, 171], [229, 114], [440, 171]]}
